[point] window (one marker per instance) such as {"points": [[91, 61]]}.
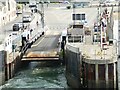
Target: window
{"points": [[78, 16], [83, 16]]}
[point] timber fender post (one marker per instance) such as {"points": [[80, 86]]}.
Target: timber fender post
{"points": [[63, 52]]}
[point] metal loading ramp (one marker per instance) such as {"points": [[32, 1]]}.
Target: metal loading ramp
{"points": [[41, 56], [43, 49]]}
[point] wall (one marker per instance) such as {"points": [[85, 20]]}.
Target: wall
{"points": [[2, 67], [73, 66], [89, 72]]}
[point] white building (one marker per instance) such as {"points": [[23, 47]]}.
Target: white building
{"points": [[7, 11], [116, 30], [2, 12]]}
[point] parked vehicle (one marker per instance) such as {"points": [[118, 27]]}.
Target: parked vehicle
{"points": [[33, 9], [68, 7], [26, 18], [18, 26], [46, 1], [66, 2], [32, 3], [42, 2]]}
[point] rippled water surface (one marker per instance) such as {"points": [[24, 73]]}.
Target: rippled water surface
{"points": [[37, 75]]}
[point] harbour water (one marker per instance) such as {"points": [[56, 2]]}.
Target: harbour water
{"points": [[39, 75]]}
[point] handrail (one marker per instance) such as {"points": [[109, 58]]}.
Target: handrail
{"points": [[25, 48]]}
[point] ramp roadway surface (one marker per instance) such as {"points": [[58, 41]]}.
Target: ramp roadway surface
{"points": [[45, 48]]}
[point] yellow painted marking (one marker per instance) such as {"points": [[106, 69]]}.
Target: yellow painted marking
{"points": [[38, 43]]}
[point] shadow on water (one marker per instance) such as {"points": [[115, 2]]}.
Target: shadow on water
{"points": [[31, 65]]}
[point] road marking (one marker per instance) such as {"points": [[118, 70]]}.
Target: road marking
{"points": [[38, 43]]}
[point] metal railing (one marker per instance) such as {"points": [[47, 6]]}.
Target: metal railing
{"points": [[25, 47], [75, 38]]}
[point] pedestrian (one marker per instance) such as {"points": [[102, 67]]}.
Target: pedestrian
{"points": [[37, 23], [31, 31]]}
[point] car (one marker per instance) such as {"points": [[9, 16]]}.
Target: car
{"points": [[47, 1], [19, 12], [68, 7], [37, 2], [77, 5], [18, 26], [26, 18], [41, 1], [66, 2], [33, 9]]}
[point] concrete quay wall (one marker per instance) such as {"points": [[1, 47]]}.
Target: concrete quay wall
{"points": [[99, 74], [12, 65], [91, 72], [2, 68], [73, 66]]}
